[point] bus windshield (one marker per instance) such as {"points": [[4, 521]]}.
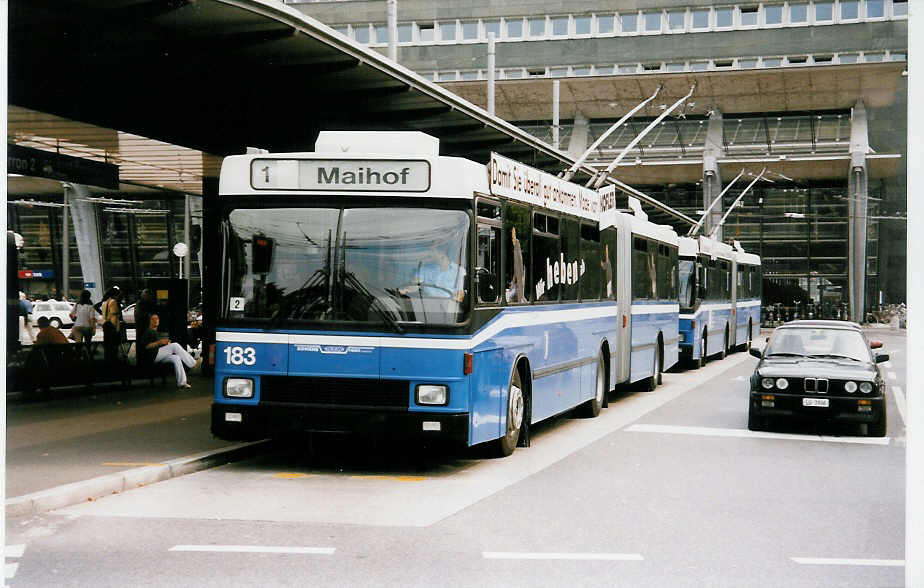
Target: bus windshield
{"points": [[687, 283], [392, 265]]}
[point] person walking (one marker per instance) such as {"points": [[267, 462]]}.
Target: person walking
{"points": [[25, 311], [112, 324], [84, 317], [159, 349]]}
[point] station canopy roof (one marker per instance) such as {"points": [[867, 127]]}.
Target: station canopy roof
{"points": [[214, 77]]}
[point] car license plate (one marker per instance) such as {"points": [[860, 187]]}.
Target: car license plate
{"points": [[822, 402]]}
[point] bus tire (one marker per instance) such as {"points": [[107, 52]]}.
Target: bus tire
{"points": [[592, 407], [746, 346], [651, 382], [703, 355], [515, 409]]}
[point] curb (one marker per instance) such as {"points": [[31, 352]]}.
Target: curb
{"points": [[88, 490]]}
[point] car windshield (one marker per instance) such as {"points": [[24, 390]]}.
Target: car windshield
{"points": [[820, 343], [397, 266]]}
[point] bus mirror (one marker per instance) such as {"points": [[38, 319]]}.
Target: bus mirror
{"points": [[486, 284], [261, 254]]}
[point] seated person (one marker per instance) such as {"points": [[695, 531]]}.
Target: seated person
{"points": [[439, 277], [49, 335], [157, 348]]}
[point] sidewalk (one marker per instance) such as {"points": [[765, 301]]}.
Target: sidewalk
{"points": [[83, 445]]}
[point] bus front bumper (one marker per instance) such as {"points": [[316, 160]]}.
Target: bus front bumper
{"points": [[239, 422]]}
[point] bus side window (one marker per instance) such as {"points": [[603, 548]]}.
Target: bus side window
{"points": [[608, 263], [590, 262], [487, 263], [516, 253], [572, 270], [640, 275], [547, 267]]}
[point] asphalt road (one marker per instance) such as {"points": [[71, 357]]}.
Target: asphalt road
{"points": [[663, 489]]}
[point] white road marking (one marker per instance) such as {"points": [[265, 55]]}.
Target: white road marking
{"points": [[826, 561], [715, 432], [10, 569], [739, 379], [254, 549], [14, 550], [568, 556], [891, 375], [899, 401]]}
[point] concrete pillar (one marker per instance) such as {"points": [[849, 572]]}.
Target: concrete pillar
{"points": [[65, 248], [492, 73], [712, 179], [86, 233], [556, 94], [578, 143], [392, 8], [857, 186]]}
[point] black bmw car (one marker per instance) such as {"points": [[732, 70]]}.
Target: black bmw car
{"points": [[818, 370]]}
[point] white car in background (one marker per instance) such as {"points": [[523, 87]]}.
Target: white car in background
{"points": [[58, 313]]}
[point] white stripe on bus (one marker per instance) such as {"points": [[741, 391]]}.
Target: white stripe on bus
{"points": [[506, 321], [654, 308]]}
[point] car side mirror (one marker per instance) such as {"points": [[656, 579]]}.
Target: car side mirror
{"points": [[758, 353], [875, 344], [881, 357]]}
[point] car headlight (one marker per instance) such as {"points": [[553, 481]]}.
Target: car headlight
{"points": [[239, 388], [866, 387], [767, 383], [432, 394], [782, 383], [850, 387]]}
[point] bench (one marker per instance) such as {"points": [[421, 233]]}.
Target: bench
{"points": [[57, 366]]}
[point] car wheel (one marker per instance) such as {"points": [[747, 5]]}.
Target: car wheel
{"points": [[506, 444], [877, 429], [592, 407], [55, 322], [755, 421]]}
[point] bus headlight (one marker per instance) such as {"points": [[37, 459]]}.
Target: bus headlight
{"points": [[239, 388], [432, 395], [850, 387], [866, 387]]}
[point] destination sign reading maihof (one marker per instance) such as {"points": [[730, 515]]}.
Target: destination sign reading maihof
{"points": [[366, 175]]}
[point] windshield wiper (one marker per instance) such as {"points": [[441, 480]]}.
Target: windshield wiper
{"points": [[834, 356], [374, 303]]}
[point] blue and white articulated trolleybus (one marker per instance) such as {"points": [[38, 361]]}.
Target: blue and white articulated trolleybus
{"points": [[720, 288], [707, 322], [375, 286], [647, 290], [746, 296]]}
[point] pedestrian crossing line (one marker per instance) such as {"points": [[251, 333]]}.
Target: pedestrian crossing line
{"points": [[832, 561], [254, 549], [716, 432], [563, 556], [14, 550]]}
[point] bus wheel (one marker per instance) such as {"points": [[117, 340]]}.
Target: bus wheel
{"points": [[592, 407], [652, 382], [703, 356], [506, 444], [724, 351], [747, 345]]}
